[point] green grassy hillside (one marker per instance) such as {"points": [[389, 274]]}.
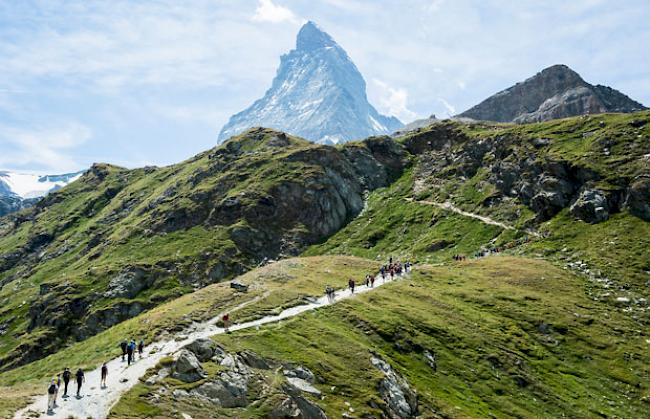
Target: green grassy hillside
{"points": [[118, 242], [512, 337]]}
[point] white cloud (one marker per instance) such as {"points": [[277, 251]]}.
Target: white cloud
{"points": [[45, 148], [451, 110], [393, 101], [267, 11]]}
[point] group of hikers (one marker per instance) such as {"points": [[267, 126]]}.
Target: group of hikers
{"points": [[479, 254], [129, 348], [128, 351], [389, 270]]}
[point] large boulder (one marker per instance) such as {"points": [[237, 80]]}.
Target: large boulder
{"points": [[401, 400], [203, 348], [591, 206], [230, 390], [638, 198], [187, 368], [128, 283], [299, 372]]}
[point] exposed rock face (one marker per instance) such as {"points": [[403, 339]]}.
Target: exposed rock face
{"points": [[401, 400], [591, 206], [318, 94], [555, 92], [229, 390], [638, 198], [204, 349], [187, 367]]}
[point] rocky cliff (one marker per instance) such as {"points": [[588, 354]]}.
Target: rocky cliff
{"points": [[555, 92]]}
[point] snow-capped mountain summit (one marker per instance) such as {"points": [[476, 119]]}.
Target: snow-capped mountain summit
{"points": [[318, 93], [26, 186]]}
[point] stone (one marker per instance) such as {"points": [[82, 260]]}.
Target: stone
{"points": [[230, 390], [238, 286], [286, 408], [401, 400], [591, 206], [187, 367], [638, 198], [253, 360], [300, 372], [203, 348], [303, 385], [128, 283]]}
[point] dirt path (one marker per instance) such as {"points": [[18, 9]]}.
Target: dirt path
{"points": [[487, 220], [96, 402]]}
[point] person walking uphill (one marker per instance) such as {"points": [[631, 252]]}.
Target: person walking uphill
{"points": [[66, 380], [351, 285], [123, 346], [80, 380], [51, 395], [141, 347], [102, 384], [130, 348]]}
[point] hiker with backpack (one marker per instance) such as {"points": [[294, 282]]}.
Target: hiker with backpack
{"points": [[81, 378], [66, 379], [141, 347], [58, 386], [130, 348], [351, 285], [102, 383], [51, 395], [123, 346], [226, 322], [372, 281]]}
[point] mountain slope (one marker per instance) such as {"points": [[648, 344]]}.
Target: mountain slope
{"points": [[317, 94], [555, 92]]}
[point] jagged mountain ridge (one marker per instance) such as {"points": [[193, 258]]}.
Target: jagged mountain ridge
{"points": [[318, 94], [555, 92]]}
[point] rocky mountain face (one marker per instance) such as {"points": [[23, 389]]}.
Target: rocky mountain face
{"points": [[555, 92], [118, 242], [317, 94]]}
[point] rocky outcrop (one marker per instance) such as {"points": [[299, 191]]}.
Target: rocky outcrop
{"points": [[203, 348], [187, 368], [638, 198], [401, 400], [555, 92], [591, 206]]}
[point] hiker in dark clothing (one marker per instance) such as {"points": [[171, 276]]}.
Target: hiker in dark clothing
{"points": [[80, 380], [104, 375], [66, 379], [351, 285], [129, 352], [372, 281], [226, 322], [141, 347], [123, 345]]}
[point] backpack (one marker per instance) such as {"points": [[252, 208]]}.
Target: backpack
{"points": [[52, 389], [66, 375]]}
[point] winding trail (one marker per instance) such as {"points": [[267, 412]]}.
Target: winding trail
{"points": [[96, 402], [487, 220]]}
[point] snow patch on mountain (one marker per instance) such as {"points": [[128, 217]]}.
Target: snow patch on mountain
{"points": [[26, 186]]}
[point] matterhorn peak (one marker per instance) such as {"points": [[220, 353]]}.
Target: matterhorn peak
{"points": [[318, 94], [311, 37]]}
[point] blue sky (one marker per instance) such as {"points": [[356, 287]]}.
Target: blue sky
{"points": [[152, 81]]}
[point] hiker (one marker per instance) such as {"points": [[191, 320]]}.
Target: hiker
{"points": [[104, 375], [141, 347], [123, 345], [58, 386], [226, 322], [351, 285], [390, 260], [80, 380], [367, 280], [383, 273], [51, 395], [372, 281], [329, 291], [66, 379], [129, 352]]}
